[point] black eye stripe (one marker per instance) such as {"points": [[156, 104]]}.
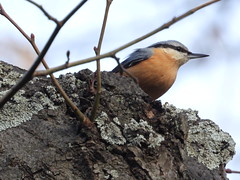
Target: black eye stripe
{"points": [[178, 48]]}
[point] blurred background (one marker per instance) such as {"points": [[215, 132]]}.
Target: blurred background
{"points": [[209, 85]]}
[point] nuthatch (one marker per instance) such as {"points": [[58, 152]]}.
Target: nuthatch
{"points": [[155, 67]]}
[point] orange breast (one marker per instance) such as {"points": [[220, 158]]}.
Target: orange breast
{"points": [[156, 74]]}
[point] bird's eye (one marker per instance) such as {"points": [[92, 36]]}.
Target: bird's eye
{"points": [[179, 49]]}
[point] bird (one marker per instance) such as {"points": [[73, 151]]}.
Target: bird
{"points": [[155, 67]]}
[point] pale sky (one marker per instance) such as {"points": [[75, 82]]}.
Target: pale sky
{"points": [[210, 85]]}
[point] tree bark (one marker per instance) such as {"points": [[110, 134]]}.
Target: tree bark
{"points": [[133, 137]]}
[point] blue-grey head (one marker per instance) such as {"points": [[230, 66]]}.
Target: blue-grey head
{"points": [[177, 50]]}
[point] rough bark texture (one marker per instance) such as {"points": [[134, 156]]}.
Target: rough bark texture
{"points": [[133, 137]]}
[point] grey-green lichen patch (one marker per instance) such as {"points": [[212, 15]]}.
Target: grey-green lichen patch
{"points": [[54, 95], [204, 139], [133, 133], [71, 82], [192, 115], [138, 133], [209, 144], [115, 120], [21, 109], [9, 77], [73, 85], [110, 132]]}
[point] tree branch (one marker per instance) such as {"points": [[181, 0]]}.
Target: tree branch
{"points": [[123, 70], [113, 52], [97, 52], [229, 171], [44, 11]]}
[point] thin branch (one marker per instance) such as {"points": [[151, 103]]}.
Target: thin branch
{"points": [[68, 56], [97, 51], [229, 171], [31, 40], [28, 75], [75, 109], [4, 13], [113, 52], [44, 11], [123, 70]]}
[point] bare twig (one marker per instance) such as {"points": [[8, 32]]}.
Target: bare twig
{"points": [[28, 75], [75, 109], [113, 52], [123, 70], [97, 52], [4, 13], [44, 11], [68, 57], [229, 171]]}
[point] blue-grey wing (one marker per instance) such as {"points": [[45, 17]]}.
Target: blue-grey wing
{"points": [[135, 58]]}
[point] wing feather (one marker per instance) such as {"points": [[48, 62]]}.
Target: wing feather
{"points": [[135, 58]]}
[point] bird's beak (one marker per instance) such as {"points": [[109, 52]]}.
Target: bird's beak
{"points": [[196, 55]]}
